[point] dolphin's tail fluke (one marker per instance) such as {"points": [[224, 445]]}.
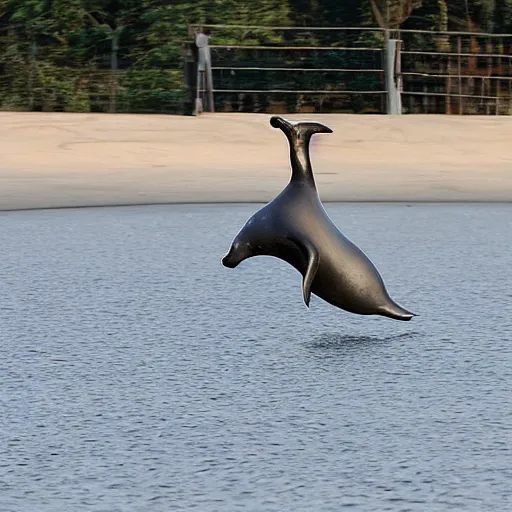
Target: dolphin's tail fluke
{"points": [[393, 310], [304, 129], [299, 134]]}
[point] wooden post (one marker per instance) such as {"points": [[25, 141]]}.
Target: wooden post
{"points": [[31, 72], [510, 95], [448, 100], [190, 71], [112, 107], [483, 93], [498, 81], [489, 73], [459, 65], [32, 61]]}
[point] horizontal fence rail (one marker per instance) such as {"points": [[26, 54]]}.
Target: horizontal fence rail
{"points": [[295, 91], [201, 26], [455, 54], [300, 48], [323, 70]]}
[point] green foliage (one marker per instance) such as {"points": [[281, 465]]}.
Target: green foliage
{"points": [[127, 55]]}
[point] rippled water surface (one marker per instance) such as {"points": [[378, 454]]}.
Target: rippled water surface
{"points": [[139, 374]]}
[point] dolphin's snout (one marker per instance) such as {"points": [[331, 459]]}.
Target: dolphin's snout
{"points": [[233, 258], [227, 261]]}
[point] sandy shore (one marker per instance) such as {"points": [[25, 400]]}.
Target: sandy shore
{"points": [[70, 160]]}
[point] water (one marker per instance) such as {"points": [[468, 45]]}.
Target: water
{"points": [[139, 374]]}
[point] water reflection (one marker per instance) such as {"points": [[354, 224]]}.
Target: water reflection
{"points": [[342, 343]]}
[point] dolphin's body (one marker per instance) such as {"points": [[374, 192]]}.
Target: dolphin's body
{"points": [[296, 228]]}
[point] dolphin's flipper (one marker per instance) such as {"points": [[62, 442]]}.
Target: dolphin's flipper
{"points": [[309, 276], [312, 256]]}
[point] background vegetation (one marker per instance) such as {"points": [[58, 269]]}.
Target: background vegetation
{"points": [[127, 55]]}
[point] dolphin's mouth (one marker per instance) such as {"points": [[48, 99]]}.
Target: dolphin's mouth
{"points": [[230, 260], [229, 263]]}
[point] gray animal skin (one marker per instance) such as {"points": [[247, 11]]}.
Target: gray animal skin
{"points": [[296, 228]]}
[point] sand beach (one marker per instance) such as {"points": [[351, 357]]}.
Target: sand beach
{"points": [[55, 160]]}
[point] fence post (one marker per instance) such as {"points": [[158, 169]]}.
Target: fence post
{"points": [[204, 74], [190, 71], [114, 48], [393, 76], [398, 75]]}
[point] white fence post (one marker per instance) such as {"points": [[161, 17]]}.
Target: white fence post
{"points": [[204, 74], [393, 76]]}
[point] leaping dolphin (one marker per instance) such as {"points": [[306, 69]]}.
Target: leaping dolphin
{"points": [[296, 228]]}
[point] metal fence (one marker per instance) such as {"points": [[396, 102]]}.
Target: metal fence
{"points": [[456, 72], [293, 72], [269, 69], [352, 69]]}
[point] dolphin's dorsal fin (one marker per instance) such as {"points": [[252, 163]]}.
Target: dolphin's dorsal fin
{"points": [[299, 135]]}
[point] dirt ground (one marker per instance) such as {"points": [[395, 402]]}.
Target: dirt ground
{"points": [[70, 160]]}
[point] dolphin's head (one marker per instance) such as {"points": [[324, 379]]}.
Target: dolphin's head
{"points": [[249, 242], [238, 252]]}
